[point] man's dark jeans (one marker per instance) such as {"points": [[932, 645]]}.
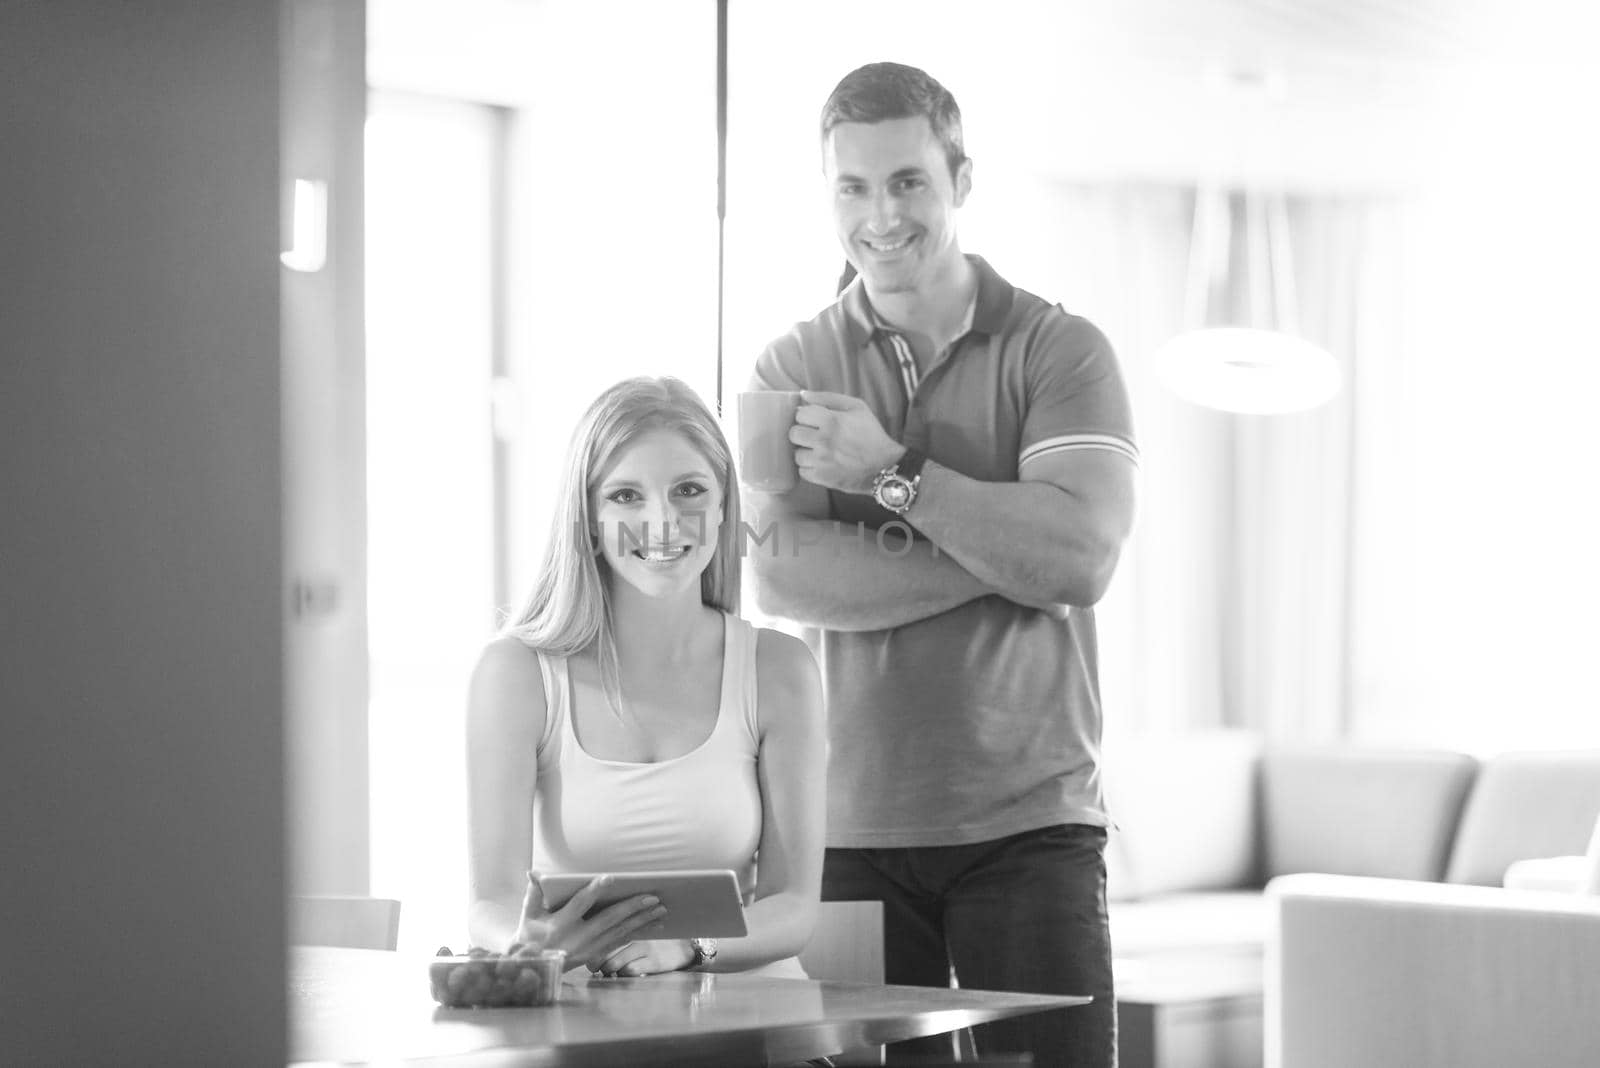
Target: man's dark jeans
{"points": [[1025, 913]]}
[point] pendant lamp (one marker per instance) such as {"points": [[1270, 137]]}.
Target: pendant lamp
{"points": [[1261, 368]]}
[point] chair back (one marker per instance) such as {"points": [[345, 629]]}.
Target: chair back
{"points": [[847, 943], [351, 922]]}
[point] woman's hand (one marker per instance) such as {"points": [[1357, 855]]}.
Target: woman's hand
{"points": [[591, 941], [649, 958]]}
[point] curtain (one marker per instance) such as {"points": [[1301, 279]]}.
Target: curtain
{"points": [[1260, 540], [1316, 603]]}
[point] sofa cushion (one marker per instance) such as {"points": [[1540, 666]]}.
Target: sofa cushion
{"points": [[1183, 806], [1233, 921], [1530, 804], [1561, 874], [1359, 810]]}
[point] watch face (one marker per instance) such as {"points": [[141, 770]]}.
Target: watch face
{"points": [[894, 494]]}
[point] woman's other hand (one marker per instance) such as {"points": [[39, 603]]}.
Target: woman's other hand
{"points": [[649, 958], [591, 941]]}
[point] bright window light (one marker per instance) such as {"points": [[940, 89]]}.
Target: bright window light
{"points": [[309, 214], [429, 491]]}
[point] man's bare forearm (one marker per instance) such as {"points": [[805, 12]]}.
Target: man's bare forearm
{"points": [[1027, 541], [824, 573]]}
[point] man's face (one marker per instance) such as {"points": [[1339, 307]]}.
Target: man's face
{"points": [[894, 202]]}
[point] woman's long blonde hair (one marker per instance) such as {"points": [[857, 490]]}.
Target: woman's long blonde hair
{"points": [[570, 607]]}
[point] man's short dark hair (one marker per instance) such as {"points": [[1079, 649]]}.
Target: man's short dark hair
{"points": [[878, 92]]}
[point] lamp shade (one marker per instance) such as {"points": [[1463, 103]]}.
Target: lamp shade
{"points": [[1241, 369]]}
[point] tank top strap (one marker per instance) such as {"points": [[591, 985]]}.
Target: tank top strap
{"points": [[739, 674], [557, 716]]}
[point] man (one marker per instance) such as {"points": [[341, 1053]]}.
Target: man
{"points": [[967, 470]]}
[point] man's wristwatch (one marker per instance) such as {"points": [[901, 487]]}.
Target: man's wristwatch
{"points": [[705, 951], [895, 488]]}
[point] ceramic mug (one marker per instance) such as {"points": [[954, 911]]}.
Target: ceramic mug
{"points": [[766, 455]]}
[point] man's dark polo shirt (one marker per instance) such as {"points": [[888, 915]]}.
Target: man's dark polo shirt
{"points": [[982, 721]]}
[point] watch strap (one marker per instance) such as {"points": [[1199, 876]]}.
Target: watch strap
{"points": [[705, 951], [909, 466]]}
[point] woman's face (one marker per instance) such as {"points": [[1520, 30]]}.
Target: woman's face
{"points": [[657, 507]]}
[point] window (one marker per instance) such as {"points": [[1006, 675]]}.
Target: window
{"points": [[521, 257], [430, 508]]}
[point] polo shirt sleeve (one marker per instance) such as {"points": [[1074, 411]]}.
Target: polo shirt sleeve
{"points": [[1076, 397], [779, 366]]}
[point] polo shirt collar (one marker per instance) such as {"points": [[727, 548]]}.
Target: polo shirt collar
{"points": [[994, 299], [989, 310]]}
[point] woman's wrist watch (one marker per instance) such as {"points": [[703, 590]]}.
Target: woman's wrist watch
{"points": [[895, 488], [705, 951]]}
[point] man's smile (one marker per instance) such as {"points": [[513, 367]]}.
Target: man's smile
{"points": [[886, 246]]}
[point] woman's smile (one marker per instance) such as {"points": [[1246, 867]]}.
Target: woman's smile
{"points": [[663, 556]]}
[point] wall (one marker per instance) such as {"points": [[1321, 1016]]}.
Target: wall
{"points": [[141, 541]]}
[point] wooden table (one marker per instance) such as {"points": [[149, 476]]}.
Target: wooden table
{"points": [[354, 1006]]}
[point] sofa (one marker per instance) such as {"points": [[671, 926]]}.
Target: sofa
{"points": [[1389, 973], [1204, 822]]}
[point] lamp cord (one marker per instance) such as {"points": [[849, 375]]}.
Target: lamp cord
{"points": [[722, 173]]}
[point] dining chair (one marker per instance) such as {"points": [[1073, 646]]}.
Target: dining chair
{"points": [[347, 921], [846, 943], [847, 946]]}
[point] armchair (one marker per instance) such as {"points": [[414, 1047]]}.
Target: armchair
{"points": [[1379, 972]]}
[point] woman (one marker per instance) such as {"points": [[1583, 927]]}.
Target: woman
{"points": [[628, 719]]}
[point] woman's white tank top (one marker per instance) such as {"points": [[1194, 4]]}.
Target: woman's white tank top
{"points": [[698, 810]]}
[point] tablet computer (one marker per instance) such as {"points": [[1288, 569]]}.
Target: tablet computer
{"points": [[700, 904]]}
